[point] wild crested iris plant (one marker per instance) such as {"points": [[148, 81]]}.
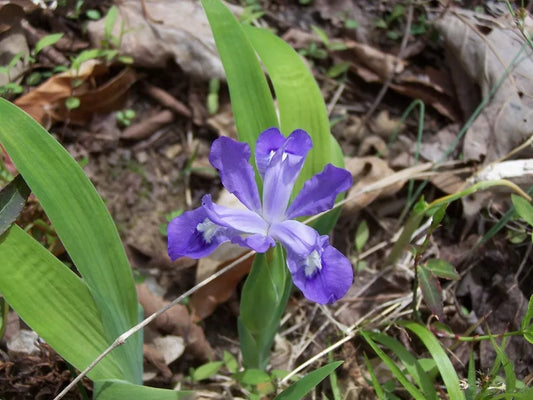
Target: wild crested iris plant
{"points": [[318, 269]]}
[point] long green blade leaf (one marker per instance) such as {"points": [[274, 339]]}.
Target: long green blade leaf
{"points": [[409, 361], [299, 389], [12, 199], [265, 294], [115, 389], [300, 102], [300, 106], [413, 391], [251, 101], [447, 371], [54, 302], [83, 224]]}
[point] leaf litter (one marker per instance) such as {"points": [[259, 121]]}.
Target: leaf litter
{"points": [[159, 170]]}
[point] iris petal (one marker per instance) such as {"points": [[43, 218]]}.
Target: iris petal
{"points": [[244, 221], [296, 237], [328, 283], [259, 243], [318, 193], [184, 238], [231, 158], [281, 173], [268, 143]]}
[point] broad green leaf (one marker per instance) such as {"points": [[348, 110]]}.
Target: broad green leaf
{"points": [[12, 199], [410, 362], [447, 371], [83, 224], [54, 302], [110, 19], [523, 208], [252, 376], [117, 389], [431, 290], [48, 40], [251, 101], [206, 370], [231, 362], [527, 325], [398, 374], [442, 269], [263, 300], [298, 390]]}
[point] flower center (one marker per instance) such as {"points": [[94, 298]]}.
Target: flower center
{"points": [[313, 263], [208, 229]]}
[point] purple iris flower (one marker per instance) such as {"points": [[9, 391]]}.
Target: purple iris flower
{"points": [[318, 269]]}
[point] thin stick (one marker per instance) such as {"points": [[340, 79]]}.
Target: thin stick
{"points": [[122, 338]]}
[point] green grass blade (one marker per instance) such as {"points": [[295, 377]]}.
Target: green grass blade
{"points": [[447, 371], [375, 382], [251, 99], [116, 389], [470, 392], [404, 381], [83, 224], [54, 302], [299, 389], [508, 368], [409, 361], [12, 199]]}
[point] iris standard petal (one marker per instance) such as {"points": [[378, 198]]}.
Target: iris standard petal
{"points": [[244, 221], [231, 158], [281, 173], [329, 281], [296, 237], [318, 193], [268, 143], [193, 235]]}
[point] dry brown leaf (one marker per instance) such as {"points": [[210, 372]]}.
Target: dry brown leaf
{"points": [[484, 49], [175, 321], [380, 63], [366, 171], [154, 356], [148, 126], [46, 103], [181, 33]]}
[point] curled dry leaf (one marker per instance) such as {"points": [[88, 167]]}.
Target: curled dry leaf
{"points": [[46, 103], [484, 49], [175, 30], [148, 126], [176, 321], [366, 171]]}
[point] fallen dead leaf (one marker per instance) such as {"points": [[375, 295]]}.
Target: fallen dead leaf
{"points": [[46, 103], [485, 48], [175, 321], [366, 171], [176, 30]]}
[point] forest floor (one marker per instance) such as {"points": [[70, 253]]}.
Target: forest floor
{"points": [[142, 132]]}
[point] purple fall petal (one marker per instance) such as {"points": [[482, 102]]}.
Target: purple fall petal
{"points": [[318, 193], [184, 238], [244, 221], [296, 237], [267, 144], [231, 158], [323, 277], [281, 173]]}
